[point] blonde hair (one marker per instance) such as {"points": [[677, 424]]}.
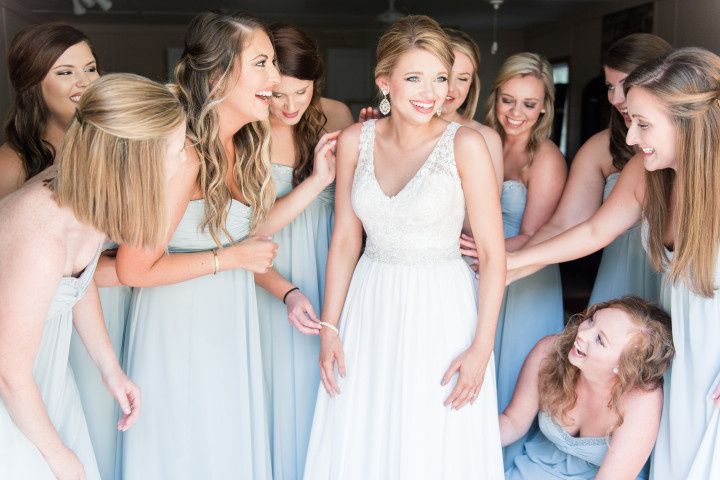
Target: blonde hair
{"points": [[641, 366], [524, 64], [111, 169], [464, 43], [687, 83], [413, 31], [213, 47]]}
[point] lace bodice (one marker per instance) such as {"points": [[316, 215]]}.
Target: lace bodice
{"points": [[422, 222]]}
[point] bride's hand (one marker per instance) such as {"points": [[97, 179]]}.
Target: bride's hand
{"points": [[331, 351], [470, 366]]}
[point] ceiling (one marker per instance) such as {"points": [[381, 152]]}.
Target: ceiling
{"points": [[470, 14]]}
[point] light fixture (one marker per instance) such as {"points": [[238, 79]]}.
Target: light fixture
{"points": [[496, 6], [80, 6], [390, 15]]}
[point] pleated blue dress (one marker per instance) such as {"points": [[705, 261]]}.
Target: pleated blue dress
{"points": [[194, 349], [19, 458], [554, 454], [101, 409], [688, 443], [624, 268], [290, 358], [532, 309]]}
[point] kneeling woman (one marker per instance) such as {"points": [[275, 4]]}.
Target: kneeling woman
{"points": [[597, 391]]}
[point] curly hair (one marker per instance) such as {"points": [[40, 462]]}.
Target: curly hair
{"points": [[641, 366], [298, 57], [202, 72]]}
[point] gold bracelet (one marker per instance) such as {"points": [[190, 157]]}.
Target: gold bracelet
{"points": [[217, 261], [330, 326]]}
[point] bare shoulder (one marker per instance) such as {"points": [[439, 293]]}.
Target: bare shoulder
{"points": [[338, 114], [31, 214], [468, 137], [544, 347], [595, 152], [12, 171], [348, 143], [489, 134], [548, 154], [642, 401]]}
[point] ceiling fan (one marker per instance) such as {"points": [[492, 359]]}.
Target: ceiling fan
{"points": [[390, 15]]}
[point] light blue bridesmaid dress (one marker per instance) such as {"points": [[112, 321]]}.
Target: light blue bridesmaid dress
{"points": [[194, 349], [532, 309], [290, 358], [19, 458], [554, 454], [688, 443], [101, 409], [624, 268]]}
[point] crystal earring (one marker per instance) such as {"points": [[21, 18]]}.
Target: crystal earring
{"points": [[438, 112], [384, 106]]}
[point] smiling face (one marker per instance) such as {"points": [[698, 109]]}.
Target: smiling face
{"points": [[249, 84], [417, 85], [519, 104], [67, 79], [291, 98], [651, 130], [460, 81], [600, 341], [614, 80]]}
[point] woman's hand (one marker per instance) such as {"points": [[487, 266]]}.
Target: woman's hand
{"points": [[65, 465], [369, 113], [255, 254], [127, 395], [470, 366], [331, 351], [467, 246], [324, 161], [301, 314]]}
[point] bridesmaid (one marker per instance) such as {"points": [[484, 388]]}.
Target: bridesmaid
{"points": [[624, 268], [596, 389], [675, 110], [50, 66], [113, 169], [520, 108], [193, 337], [463, 95], [298, 117]]}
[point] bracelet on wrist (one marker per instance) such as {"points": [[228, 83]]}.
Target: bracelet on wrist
{"points": [[330, 326], [289, 292], [216, 259]]}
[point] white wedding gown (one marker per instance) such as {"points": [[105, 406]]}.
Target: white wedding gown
{"points": [[410, 310]]}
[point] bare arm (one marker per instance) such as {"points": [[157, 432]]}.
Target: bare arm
{"points": [[520, 413], [105, 273], [140, 267], [21, 328], [301, 313], [583, 192], [12, 172], [545, 185], [633, 441], [343, 256], [621, 211], [483, 207], [289, 206], [338, 114], [89, 324], [494, 146]]}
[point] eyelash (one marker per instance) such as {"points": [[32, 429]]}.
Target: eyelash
{"points": [[261, 63], [599, 340], [527, 105], [441, 78], [643, 126], [67, 72]]}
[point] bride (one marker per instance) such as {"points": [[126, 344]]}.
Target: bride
{"points": [[415, 396]]}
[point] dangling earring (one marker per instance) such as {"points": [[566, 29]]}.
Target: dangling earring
{"points": [[438, 112], [384, 106]]}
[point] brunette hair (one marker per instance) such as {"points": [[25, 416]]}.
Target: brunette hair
{"points": [[298, 57], [626, 55], [31, 55]]}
